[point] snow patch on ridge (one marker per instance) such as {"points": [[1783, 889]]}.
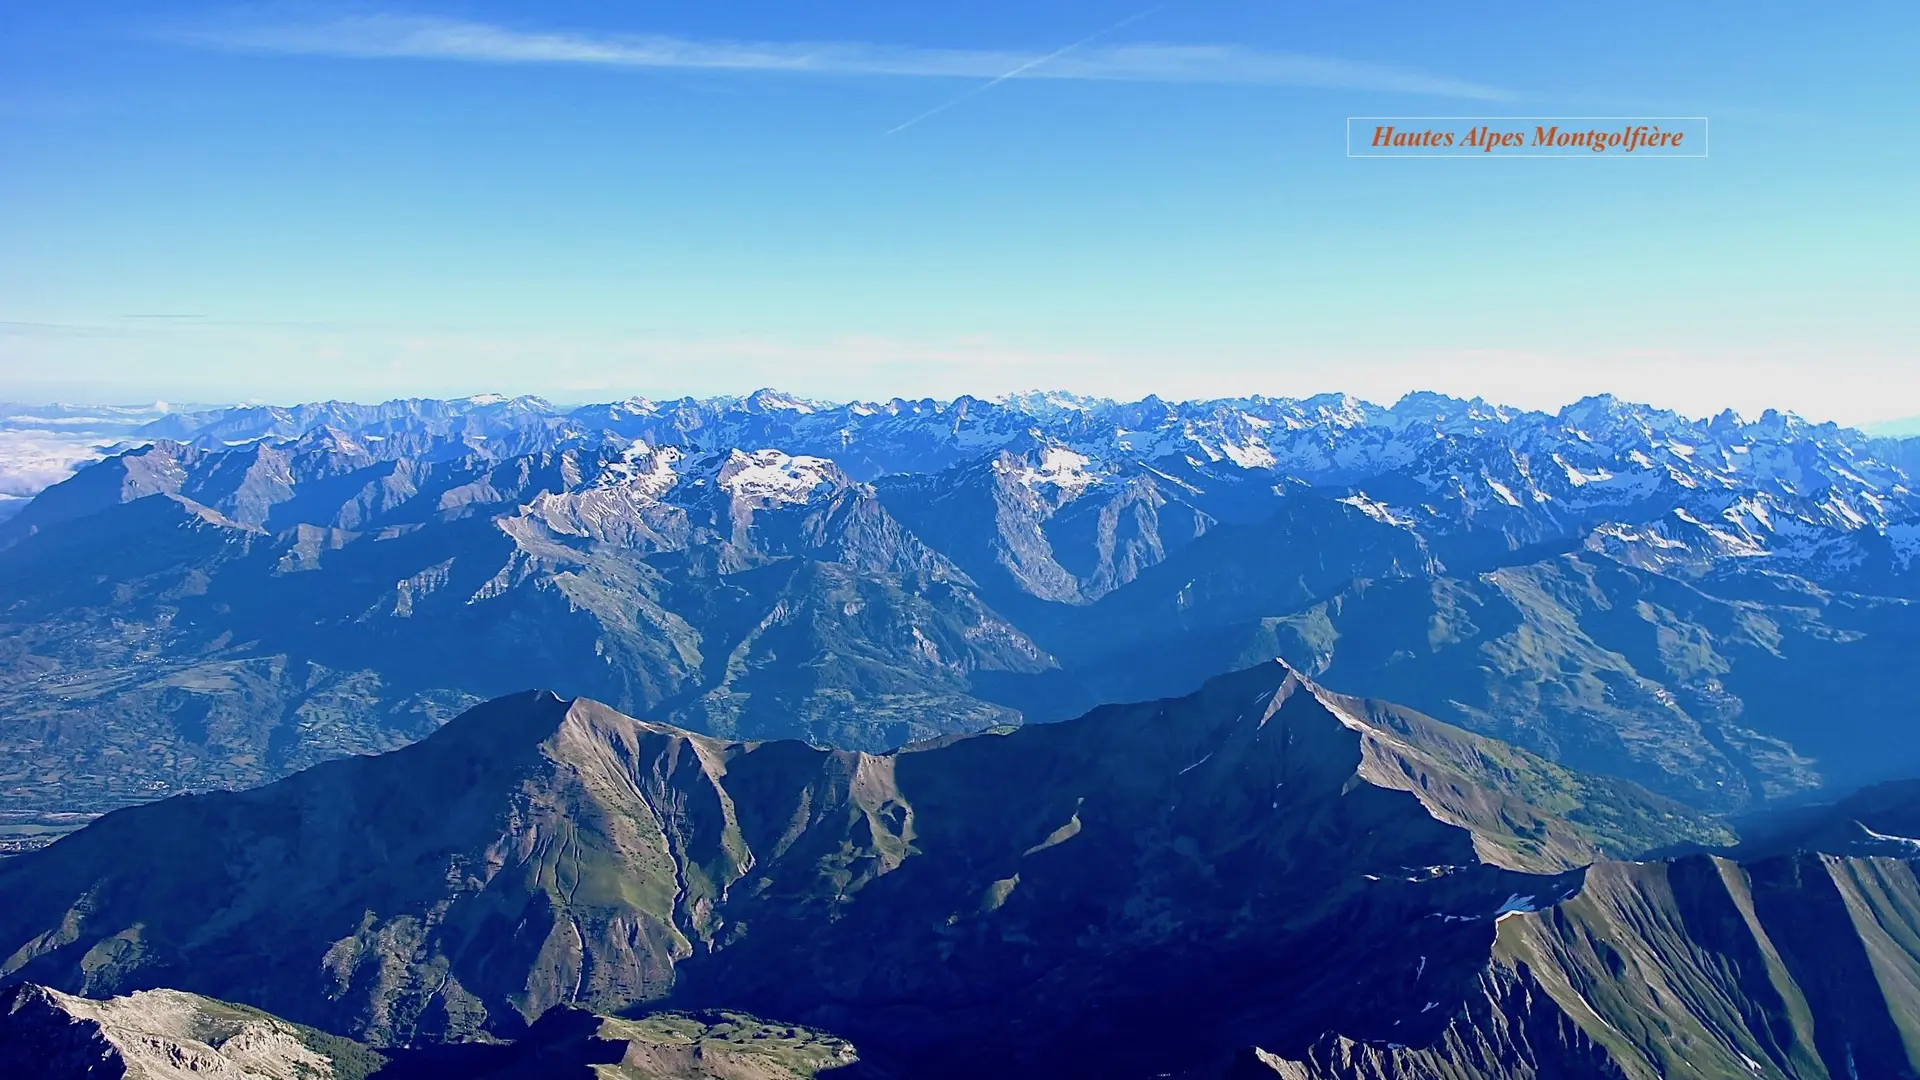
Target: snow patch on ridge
{"points": [[1500, 490], [1375, 509], [1515, 905], [1886, 838], [642, 469], [1061, 468]]}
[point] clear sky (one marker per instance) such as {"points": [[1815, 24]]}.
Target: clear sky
{"points": [[590, 200]]}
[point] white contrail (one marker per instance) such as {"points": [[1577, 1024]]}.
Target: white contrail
{"points": [[1023, 68]]}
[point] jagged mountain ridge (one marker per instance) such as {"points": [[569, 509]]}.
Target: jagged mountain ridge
{"points": [[1458, 466], [1262, 878], [1461, 465], [539, 852], [196, 614]]}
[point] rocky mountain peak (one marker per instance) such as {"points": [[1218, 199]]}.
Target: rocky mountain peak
{"points": [[772, 477], [768, 400]]}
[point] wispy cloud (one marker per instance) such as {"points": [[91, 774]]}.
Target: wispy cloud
{"points": [[388, 36]]}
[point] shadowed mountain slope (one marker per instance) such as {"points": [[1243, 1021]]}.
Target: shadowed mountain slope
{"points": [[1722, 703], [1880, 820], [537, 852], [1802, 965], [1260, 878]]}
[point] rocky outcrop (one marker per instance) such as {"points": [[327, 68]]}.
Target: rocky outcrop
{"points": [[164, 1035]]}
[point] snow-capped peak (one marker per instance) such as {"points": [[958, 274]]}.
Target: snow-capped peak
{"points": [[1058, 467], [765, 400], [773, 476], [644, 470], [1051, 404]]}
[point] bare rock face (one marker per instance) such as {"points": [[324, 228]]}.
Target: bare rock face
{"points": [[173, 1035], [163, 1035]]}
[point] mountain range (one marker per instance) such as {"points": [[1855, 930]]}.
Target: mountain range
{"points": [[1525, 745], [1721, 610], [1259, 878]]}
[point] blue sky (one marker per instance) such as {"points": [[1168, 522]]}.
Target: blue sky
{"points": [[289, 201]]}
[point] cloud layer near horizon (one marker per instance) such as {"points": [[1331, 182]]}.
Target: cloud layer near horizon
{"points": [[392, 36]]}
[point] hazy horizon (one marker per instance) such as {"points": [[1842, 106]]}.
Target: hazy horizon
{"points": [[1896, 426]]}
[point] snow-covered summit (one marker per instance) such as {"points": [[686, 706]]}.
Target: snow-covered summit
{"points": [[770, 477]]}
